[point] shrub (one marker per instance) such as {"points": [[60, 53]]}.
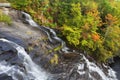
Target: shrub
{"points": [[90, 25], [5, 18]]}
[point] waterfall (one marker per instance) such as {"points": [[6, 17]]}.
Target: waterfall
{"points": [[29, 19], [32, 71], [91, 67], [50, 32]]}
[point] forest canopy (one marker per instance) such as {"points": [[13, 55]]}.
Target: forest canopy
{"points": [[89, 25]]}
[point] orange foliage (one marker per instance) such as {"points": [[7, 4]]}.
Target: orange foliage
{"points": [[110, 19], [96, 14], [95, 37]]}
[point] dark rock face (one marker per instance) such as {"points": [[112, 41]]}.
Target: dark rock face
{"points": [[6, 47], [5, 77], [18, 64], [71, 65], [8, 56], [7, 52], [116, 66]]}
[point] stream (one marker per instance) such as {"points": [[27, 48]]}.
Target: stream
{"points": [[24, 68], [17, 64]]}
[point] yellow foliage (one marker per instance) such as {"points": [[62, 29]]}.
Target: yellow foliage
{"points": [[111, 20], [54, 59], [30, 48], [86, 27], [28, 32]]}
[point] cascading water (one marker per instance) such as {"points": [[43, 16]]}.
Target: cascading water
{"points": [[91, 67], [50, 32], [23, 68], [29, 19], [26, 70]]}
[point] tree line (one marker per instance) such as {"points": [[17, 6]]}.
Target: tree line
{"points": [[89, 25]]}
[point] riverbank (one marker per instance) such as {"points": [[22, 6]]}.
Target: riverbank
{"points": [[42, 46]]}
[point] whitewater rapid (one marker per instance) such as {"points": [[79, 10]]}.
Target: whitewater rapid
{"points": [[32, 71], [26, 69], [91, 67]]}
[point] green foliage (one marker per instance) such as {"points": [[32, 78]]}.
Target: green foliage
{"points": [[112, 38], [20, 4], [72, 35], [55, 49], [5, 18], [90, 25]]}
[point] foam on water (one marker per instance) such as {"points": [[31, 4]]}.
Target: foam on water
{"points": [[33, 71], [29, 19], [92, 67], [50, 32]]}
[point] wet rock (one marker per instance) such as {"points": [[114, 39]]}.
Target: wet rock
{"points": [[6, 47], [9, 54], [116, 66], [71, 66], [71, 56], [5, 77]]}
